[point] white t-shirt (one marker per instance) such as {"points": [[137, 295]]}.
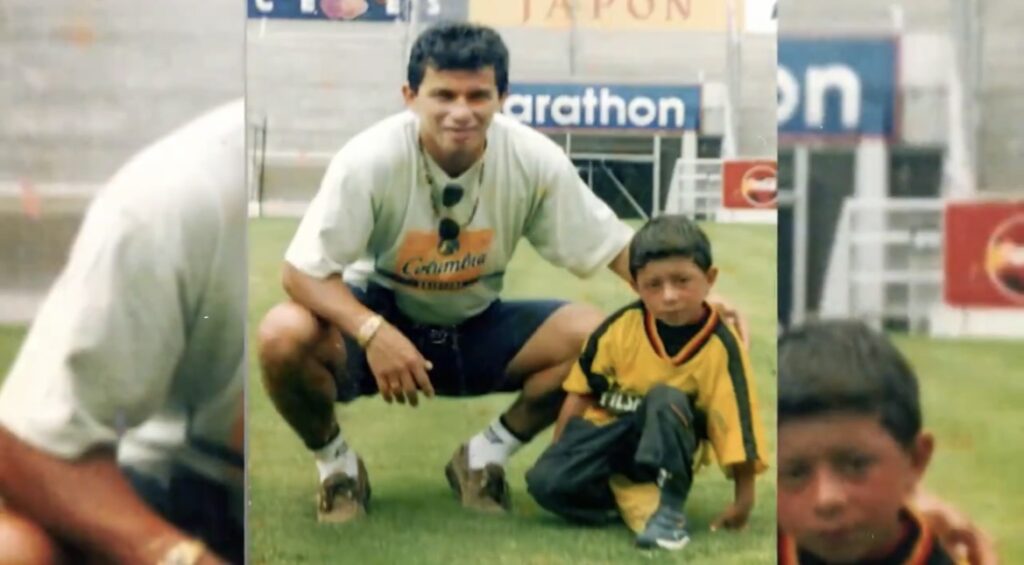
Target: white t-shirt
{"points": [[372, 218], [140, 342]]}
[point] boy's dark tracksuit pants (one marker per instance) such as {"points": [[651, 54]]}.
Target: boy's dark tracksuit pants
{"points": [[571, 478]]}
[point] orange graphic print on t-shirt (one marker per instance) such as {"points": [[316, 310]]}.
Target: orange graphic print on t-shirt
{"points": [[426, 262]]}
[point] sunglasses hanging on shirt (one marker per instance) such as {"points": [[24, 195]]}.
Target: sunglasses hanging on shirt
{"points": [[451, 195], [448, 229]]}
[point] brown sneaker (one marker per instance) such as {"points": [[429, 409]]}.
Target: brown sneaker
{"points": [[343, 498], [478, 489]]}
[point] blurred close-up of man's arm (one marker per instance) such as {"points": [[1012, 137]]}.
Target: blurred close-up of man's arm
{"points": [[88, 504], [100, 359]]}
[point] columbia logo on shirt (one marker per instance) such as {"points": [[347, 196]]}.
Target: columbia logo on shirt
{"points": [[421, 264]]}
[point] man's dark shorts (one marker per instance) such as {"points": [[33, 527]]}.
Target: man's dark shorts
{"points": [[468, 360]]}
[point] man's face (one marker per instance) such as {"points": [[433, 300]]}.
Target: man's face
{"points": [[455, 108], [842, 482], [673, 289]]}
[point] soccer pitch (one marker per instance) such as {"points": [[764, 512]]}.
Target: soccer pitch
{"points": [[413, 517], [972, 395]]}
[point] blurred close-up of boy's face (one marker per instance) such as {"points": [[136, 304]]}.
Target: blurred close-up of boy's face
{"points": [[673, 289], [842, 482]]}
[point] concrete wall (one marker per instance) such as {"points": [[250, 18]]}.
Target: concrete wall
{"points": [[830, 16], [1001, 97], [927, 53], [85, 84], [758, 126]]}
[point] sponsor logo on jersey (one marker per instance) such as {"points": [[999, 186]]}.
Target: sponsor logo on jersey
{"points": [[620, 401]]}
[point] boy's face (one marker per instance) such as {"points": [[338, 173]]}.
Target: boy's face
{"points": [[842, 482], [455, 109], [673, 289]]}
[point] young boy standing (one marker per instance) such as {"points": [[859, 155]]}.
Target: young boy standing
{"points": [[656, 380], [851, 450]]}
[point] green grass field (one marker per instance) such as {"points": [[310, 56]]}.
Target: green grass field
{"points": [[972, 394], [973, 401], [10, 339], [414, 517]]}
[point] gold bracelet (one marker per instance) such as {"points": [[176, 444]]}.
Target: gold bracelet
{"points": [[369, 329], [185, 552]]}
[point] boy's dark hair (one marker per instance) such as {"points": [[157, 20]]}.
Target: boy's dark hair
{"points": [[669, 236], [845, 366], [458, 46]]}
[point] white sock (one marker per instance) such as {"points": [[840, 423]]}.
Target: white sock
{"points": [[336, 456], [495, 444]]}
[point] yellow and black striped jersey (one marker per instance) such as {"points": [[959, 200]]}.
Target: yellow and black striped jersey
{"points": [[625, 358], [918, 547]]}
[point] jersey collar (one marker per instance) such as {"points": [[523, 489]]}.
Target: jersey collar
{"points": [[690, 348]]}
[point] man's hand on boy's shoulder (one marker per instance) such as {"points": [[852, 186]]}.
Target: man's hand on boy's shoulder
{"points": [[957, 533], [733, 317]]}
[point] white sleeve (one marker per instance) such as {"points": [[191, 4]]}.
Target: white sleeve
{"points": [[572, 227], [101, 353], [336, 228]]}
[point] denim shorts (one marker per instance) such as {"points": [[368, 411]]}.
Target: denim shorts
{"points": [[469, 359]]}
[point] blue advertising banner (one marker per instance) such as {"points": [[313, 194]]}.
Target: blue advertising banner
{"points": [[355, 10], [837, 87], [604, 106]]}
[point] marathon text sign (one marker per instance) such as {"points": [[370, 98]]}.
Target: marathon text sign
{"points": [[837, 87], [692, 15], [348, 10], [604, 106], [984, 254], [749, 184]]}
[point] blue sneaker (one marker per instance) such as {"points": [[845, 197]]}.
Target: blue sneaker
{"points": [[666, 529]]}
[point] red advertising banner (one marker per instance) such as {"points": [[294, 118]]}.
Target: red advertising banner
{"points": [[748, 184], [984, 254]]}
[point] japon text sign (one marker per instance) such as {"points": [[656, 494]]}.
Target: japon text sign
{"points": [[692, 15]]}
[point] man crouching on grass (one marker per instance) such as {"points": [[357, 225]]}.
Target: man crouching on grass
{"points": [[395, 273]]}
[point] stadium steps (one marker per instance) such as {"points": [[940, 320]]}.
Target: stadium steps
{"points": [[86, 84]]}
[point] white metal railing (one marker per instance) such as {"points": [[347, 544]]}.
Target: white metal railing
{"points": [[696, 188], [886, 262]]}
